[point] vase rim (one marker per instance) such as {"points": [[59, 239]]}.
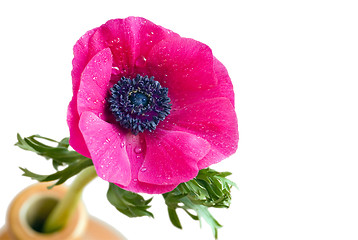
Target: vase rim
{"points": [[17, 217]]}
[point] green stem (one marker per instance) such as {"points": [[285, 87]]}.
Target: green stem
{"points": [[63, 211]]}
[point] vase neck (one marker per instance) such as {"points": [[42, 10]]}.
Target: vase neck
{"points": [[30, 208]]}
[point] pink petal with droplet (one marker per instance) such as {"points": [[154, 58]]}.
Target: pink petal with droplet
{"points": [[146, 36], [224, 87], [90, 97], [136, 150], [142, 187], [104, 141], [213, 120], [130, 40], [94, 86], [182, 64], [116, 35], [172, 157], [76, 141], [81, 58]]}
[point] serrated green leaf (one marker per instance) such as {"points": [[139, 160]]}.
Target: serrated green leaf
{"points": [[22, 144], [203, 212], [59, 154], [173, 216], [56, 164], [209, 189], [194, 217], [32, 175], [64, 142], [60, 176], [129, 203]]}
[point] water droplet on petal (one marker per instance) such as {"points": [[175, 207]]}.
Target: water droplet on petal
{"points": [[143, 169], [141, 61], [149, 42], [122, 145], [137, 150]]}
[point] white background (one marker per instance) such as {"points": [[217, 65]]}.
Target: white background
{"points": [[294, 69]]}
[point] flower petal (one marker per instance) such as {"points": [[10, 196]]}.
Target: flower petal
{"points": [[106, 144], [94, 84], [136, 150], [130, 41], [90, 97], [142, 187], [213, 120], [223, 88], [172, 157], [182, 64], [81, 58], [147, 35], [116, 35], [76, 141]]}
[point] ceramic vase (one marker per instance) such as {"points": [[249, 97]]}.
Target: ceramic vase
{"points": [[29, 209]]}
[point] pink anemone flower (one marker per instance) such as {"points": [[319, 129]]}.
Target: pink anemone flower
{"points": [[150, 108]]}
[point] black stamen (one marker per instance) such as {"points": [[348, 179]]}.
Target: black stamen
{"points": [[139, 104]]}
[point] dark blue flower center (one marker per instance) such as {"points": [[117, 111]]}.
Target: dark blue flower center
{"points": [[138, 98], [139, 104]]}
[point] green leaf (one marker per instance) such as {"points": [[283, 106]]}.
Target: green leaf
{"points": [[209, 189], [64, 142], [129, 203], [59, 154], [173, 216], [186, 204], [203, 212], [61, 176]]}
